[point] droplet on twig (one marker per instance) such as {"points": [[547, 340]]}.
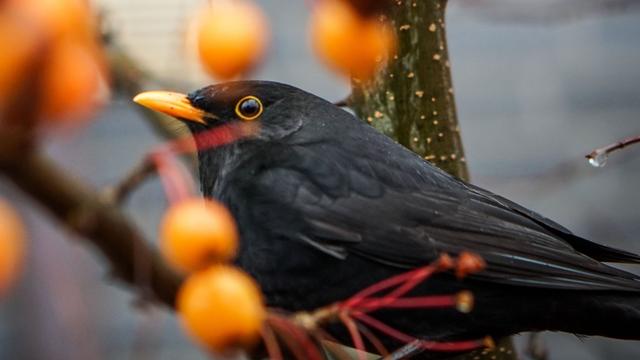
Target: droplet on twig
{"points": [[598, 158]]}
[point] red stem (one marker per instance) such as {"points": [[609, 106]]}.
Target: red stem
{"points": [[355, 334], [380, 348], [427, 345], [271, 343], [411, 279], [435, 301], [302, 347]]}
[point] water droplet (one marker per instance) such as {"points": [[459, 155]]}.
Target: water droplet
{"points": [[598, 158]]}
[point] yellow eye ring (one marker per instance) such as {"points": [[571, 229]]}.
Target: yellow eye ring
{"points": [[249, 108]]}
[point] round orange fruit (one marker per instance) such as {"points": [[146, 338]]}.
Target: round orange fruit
{"points": [[20, 44], [59, 18], [71, 82], [12, 245], [197, 232], [222, 308], [232, 36], [348, 42]]}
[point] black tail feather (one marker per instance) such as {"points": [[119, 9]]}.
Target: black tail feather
{"points": [[602, 252]]}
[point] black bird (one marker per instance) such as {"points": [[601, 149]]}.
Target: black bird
{"points": [[327, 205]]}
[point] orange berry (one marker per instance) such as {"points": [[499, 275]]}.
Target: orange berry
{"points": [[20, 44], [59, 18], [12, 238], [71, 82], [222, 308], [196, 232], [348, 42], [469, 263], [232, 36], [445, 262]]}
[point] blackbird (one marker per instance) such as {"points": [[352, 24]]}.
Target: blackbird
{"points": [[326, 205]]}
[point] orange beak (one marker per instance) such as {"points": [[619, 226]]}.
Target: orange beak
{"points": [[173, 104]]}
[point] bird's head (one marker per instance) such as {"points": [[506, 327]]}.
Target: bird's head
{"points": [[273, 110]]}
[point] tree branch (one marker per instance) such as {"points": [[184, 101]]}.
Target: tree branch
{"points": [[598, 157], [119, 192], [84, 212], [412, 99]]}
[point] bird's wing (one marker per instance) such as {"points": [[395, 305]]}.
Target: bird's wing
{"points": [[401, 211], [593, 250]]}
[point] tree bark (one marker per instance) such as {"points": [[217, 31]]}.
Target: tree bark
{"points": [[412, 100]]}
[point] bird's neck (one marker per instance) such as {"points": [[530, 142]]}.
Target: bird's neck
{"points": [[218, 169]]}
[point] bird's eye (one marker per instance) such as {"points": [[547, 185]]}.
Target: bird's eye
{"points": [[249, 108]]}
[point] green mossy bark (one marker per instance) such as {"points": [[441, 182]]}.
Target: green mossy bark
{"points": [[412, 101]]}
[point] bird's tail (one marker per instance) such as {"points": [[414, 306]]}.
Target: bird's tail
{"points": [[610, 314]]}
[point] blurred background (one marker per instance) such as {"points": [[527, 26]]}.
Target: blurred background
{"points": [[537, 87]]}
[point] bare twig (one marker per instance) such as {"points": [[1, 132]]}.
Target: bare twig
{"points": [[599, 155], [84, 212], [118, 193], [129, 78]]}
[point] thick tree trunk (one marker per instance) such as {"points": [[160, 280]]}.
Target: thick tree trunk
{"points": [[412, 100]]}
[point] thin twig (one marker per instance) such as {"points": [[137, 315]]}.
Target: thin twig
{"points": [[84, 211], [373, 340], [129, 78], [118, 193], [271, 343], [606, 150], [354, 332]]}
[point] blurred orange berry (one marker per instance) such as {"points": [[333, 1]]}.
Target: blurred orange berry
{"points": [[469, 263], [348, 42], [71, 82], [197, 232], [60, 37], [232, 36], [222, 308], [59, 18], [12, 239], [19, 44]]}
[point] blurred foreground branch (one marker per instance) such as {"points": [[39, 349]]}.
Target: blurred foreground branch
{"points": [[130, 78], [84, 212], [119, 192]]}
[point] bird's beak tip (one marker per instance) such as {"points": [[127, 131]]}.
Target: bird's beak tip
{"points": [[171, 103], [139, 99]]}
